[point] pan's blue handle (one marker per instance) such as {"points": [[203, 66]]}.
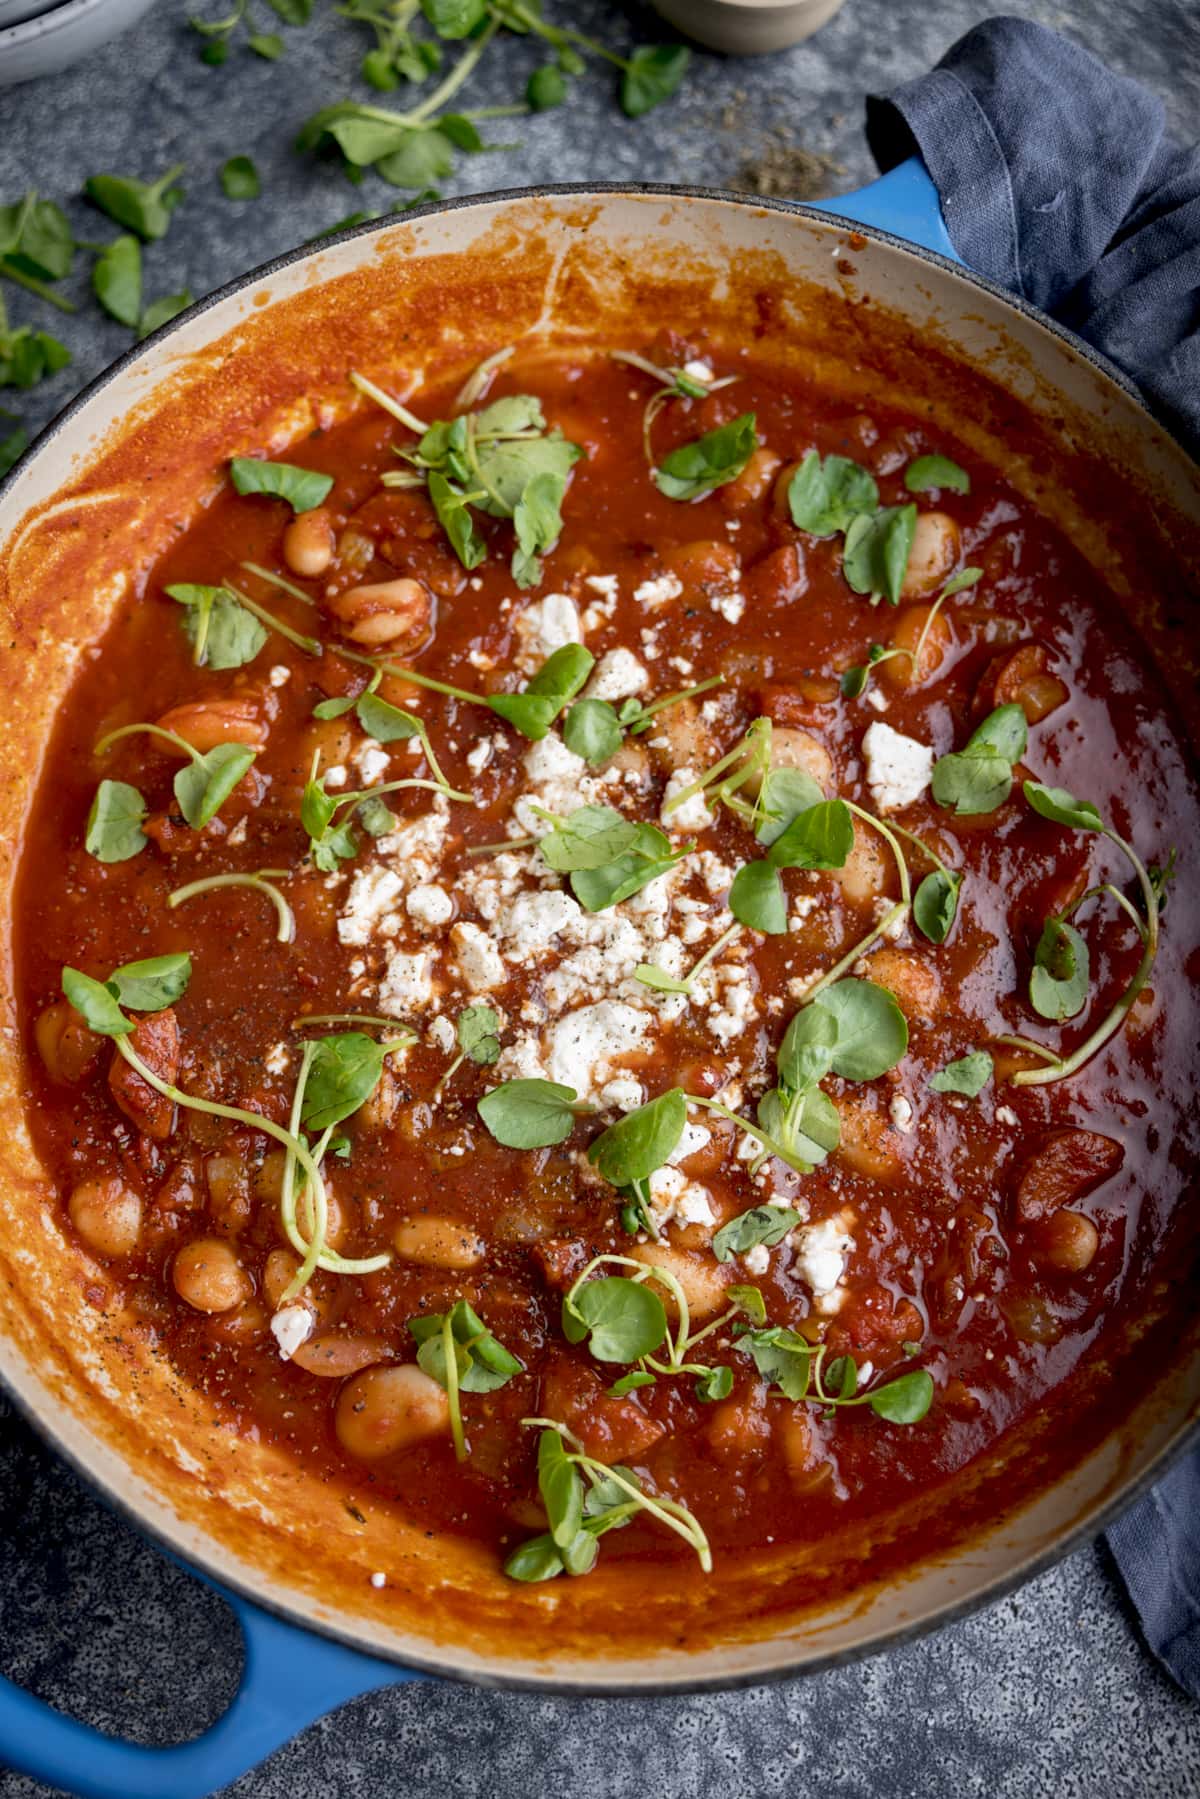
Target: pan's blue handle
{"points": [[904, 202], [290, 1677]]}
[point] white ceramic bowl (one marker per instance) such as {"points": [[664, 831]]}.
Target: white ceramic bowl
{"points": [[53, 40], [747, 27]]}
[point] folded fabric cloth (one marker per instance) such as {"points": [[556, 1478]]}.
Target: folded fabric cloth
{"points": [[1057, 180]]}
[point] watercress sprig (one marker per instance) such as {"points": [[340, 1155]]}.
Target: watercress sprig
{"points": [[979, 777], [675, 384], [855, 681], [457, 1350], [531, 711], [332, 842], [201, 787], [478, 1035], [695, 469], [596, 729], [606, 857], [796, 1367], [261, 880]]}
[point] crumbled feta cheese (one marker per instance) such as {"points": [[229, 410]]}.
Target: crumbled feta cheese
{"points": [[379, 1580], [480, 756], [730, 606], [291, 1326], [674, 1197], [479, 962], [617, 676], [237, 835], [694, 814], [692, 1140], [607, 586], [622, 1095], [658, 592], [277, 1058], [735, 1014], [545, 626], [803, 907], [899, 768], [698, 371], [582, 1046], [757, 1259], [372, 895], [559, 782], [900, 1111], [876, 699], [430, 905], [533, 920], [335, 776], [442, 1035], [1006, 1115], [407, 984], [372, 762], [280, 675], [821, 1251]]}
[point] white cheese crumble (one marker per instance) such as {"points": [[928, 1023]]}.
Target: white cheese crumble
{"points": [[291, 1326], [693, 1138], [277, 1058], [698, 371], [673, 1198], [1006, 1115], [694, 814], [335, 776], [876, 700], [617, 676], [480, 756], [379, 1580], [479, 962], [280, 675], [429, 905], [820, 1258], [442, 1035], [731, 606], [899, 768], [544, 627], [373, 892], [583, 1046], [658, 592], [900, 1111], [757, 1259], [407, 984], [372, 762]]}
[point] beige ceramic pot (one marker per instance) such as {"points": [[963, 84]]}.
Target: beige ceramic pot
{"points": [[252, 368], [747, 27]]}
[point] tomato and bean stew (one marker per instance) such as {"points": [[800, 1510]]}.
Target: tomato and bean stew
{"points": [[603, 957]]}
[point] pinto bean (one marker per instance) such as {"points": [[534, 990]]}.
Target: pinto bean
{"points": [[704, 565], [308, 544], [156, 1041], [398, 613], [1066, 1165], [903, 672], [217, 718], [864, 874], [208, 1275], [793, 748], [228, 1191], [738, 1429], [1024, 680], [332, 1355], [867, 1143], [385, 1409], [934, 552], [438, 1243], [67, 1048], [1066, 1241], [687, 739], [107, 1214]]}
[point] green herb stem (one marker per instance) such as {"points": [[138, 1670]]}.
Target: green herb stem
{"points": [[286, 586], [642, 721], [364, 386], [461, 73], [258, 882], [859, 949], [310, 645], [179, 743], [9, 272], [450, 1362]]}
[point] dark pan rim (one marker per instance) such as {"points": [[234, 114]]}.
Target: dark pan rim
{"points": [[994, 1589]]}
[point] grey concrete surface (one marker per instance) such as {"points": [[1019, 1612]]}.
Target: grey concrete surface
{"points": [[1047, 1695]]}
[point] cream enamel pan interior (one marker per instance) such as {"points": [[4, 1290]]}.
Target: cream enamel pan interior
{"points": [[251, 371]]}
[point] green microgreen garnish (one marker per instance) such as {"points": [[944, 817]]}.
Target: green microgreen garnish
{"points": [[387, 724], [260, 881], [332, 841], [675, 384], [532, 711], [478, 1036], [820, 836], [969, 1075], [223, 633], [595, 729], [695, 469], [979, 777], [1058, 980], [302, 488], [631, 1149], [936, 472], [161, 312], [767, 1225], [876, 552], [457, 1350], [114, 824], [240, 179], [140, 206], [855, 681], [201, 787], [833, 496], [652, 976], [578, 1515], [796, 1367], [607, 858], [530, 1114], [117, 280]]}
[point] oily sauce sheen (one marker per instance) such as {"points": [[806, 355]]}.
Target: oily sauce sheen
{"points": [[944, 1262]]}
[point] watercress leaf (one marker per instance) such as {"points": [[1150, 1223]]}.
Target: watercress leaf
{"points": [[202, 787], [785, 794], [44, 245], [1004, 731], [750, 1300], [652, 75], [529, 1114], [302, 488], [336, 708], [432, 1360], [153, 983], [383, 721], [512, 413], [840, 1379], [462, 132], [161, 312], [337, 845], [267, 44], [343, 1074], [589, 837], [144, 207], [972, 780], [781, 1357], [632, 1148], [756, 898], [604, 1495], [936, 471], [650, 856], [622, 1319], [224, 633], [966, 577], [378, 71], [768, 1225], [591, 730], [969, 1075], [826, 494], [362, 141], [904, 1400], [1058, 981], [419, 159], [537, 521], [117, 280], [454, 18], [240, 179], [114, 825], [708, 462], [292, 12], [375, 817], [628, 1383], [935, 904], [478, 1034], [538, 1559], [13, 445], [508, 467], [1062, 808], [535, 708], [560, 1487], [579, 1555], [803, 1127], [545, 88], [316, 807], [877, 548], [482, 1362], [821, 837], [95, 1003], [454, 516], [715, 1383], [659, 979], [872, 1030], [806, 1054]]}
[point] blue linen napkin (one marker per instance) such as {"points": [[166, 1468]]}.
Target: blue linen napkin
{"points": [[1057, 180]]}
